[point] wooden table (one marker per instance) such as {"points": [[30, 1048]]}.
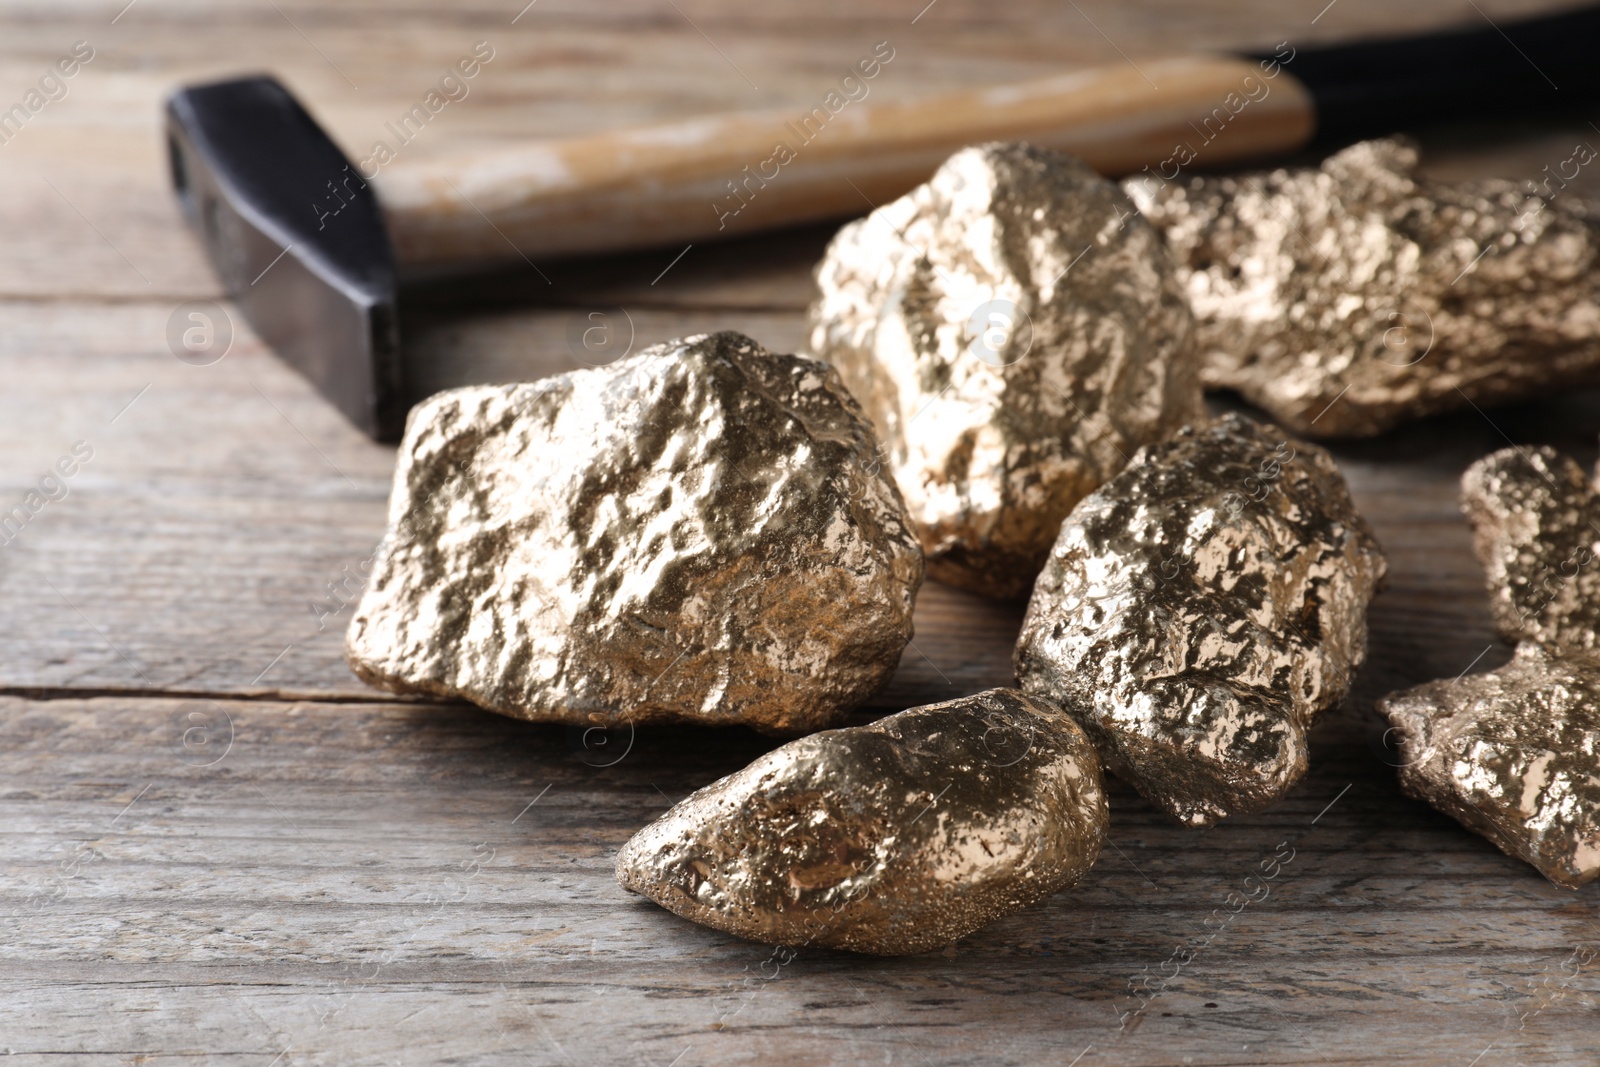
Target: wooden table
{"points": [[219, 846]]}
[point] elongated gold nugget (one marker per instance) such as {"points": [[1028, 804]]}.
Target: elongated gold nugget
{"points": [[1200, 610], [1015, 331], [892, 838], [1348, 298], [1536, 530], [697, 533], [1513, 754]]}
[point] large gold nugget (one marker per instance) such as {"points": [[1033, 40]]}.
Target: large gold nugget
{"points": [[1200, 610], [698, 533], [1352, 297], [1536, 529], [892, 838], [1513, 754], [1015, 330]]}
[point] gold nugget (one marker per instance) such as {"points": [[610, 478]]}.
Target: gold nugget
{"points": [[1015, 331], [1513, 754], [1349, 298], [698, 533], [893, 838], [1200, 610], [1536, 530]]}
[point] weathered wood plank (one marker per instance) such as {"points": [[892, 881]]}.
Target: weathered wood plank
{"points": [[372, 884], [196, 550]]}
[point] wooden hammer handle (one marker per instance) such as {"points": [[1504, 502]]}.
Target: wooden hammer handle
{"points": [[735, 174]]}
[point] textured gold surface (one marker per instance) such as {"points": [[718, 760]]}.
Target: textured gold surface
{"points": [[697, 533], [1349, 298], [1200, 610], [1536, 530], [1015, 331], [1514, 754], [892, 838]]}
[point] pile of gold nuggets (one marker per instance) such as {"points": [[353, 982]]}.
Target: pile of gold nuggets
{"points": [[1004, 392]]}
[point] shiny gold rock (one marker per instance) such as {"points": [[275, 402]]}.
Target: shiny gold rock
{"points": [[1015, 331], [1351, 297], [892, 838], [1536, 530], [695, 534], [1513, 754], [1200, 610]]}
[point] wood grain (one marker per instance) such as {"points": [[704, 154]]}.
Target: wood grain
{"points": [[303, 898], [198, 546], [714, 176], [447, 896]]}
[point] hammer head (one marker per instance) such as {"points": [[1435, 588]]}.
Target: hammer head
{"points": [[296, 235]]}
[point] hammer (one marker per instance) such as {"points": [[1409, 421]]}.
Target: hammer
{"points": [[309, 245]]}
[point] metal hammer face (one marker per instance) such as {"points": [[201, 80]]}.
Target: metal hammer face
{"points": [[297, 237]]}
